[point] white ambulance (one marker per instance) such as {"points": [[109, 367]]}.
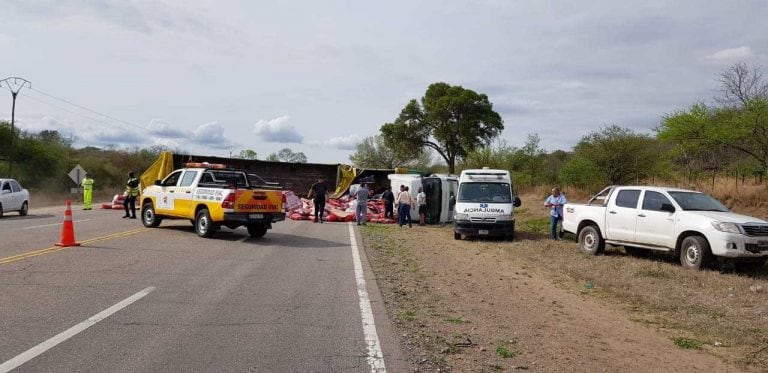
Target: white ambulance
{"points": [[485, 204]]}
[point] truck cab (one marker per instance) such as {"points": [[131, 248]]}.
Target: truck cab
{"points": [[485, 204]]}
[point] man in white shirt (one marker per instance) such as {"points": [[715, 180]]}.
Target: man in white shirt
{"points": [[404, 200], [421, 202]]}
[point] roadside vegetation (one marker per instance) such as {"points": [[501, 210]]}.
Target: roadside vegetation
{"points": [[725, 314]]}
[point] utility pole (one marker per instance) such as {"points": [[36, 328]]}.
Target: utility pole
{"points": [[14, 84]]}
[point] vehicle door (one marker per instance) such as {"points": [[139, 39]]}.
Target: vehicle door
{"points": [[166, 197], [183, 194], [655, 225], [17, 193], [621, 219], [6, 196]]}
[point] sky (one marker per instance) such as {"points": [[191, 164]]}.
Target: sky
{"points": [[217, 77]]}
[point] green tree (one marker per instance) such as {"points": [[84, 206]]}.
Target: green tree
{"points": [[247, 154], [620, 154], [373, 152], [287, 155], [582, 173], [451, 120]]}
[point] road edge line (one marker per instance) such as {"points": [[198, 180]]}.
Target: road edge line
{"points": [[375, 356]]}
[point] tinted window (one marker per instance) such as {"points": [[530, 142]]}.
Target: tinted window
{"points": [[15, 186], [172, 179], [653, 201], [627, 198], [694, 201], [188, 179]]}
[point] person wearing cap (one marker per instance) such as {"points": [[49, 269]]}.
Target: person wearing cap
{"points": [[131, 192], [87, 185], [318, 192]]}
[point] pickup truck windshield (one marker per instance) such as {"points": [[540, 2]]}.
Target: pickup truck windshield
{"points": [[691, 201], [485, 192]]}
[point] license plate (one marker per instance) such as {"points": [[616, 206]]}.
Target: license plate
{"points": [[256, 216], [482, 231]]}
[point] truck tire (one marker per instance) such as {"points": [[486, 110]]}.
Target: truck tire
{"points": [[24, 209], [257, 230], [148, 216], [1, 210], [204, 226], [695, 253], [590, 240]]}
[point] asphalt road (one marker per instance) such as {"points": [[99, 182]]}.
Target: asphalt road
{"points": [[137, 299]]}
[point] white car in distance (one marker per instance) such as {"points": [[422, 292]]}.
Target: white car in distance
{"points": [[13, 197]]}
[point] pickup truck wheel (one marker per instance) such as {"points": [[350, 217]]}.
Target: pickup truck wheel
{"points": [[456, 236], [590, 240], [694, 252], [148, 216], [24, 209], [1, 210], [257, 230], [203, 224]]}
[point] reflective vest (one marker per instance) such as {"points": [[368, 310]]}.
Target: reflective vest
{"points": [[132, 187], [87, 183]]}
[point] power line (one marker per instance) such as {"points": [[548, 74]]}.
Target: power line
{"points": [[90, 110], [100, 121]]}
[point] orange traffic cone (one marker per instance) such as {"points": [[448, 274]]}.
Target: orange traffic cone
{"points": [[68, 229]]}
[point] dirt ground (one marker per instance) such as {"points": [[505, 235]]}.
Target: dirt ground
{"points": [[478, 306]]}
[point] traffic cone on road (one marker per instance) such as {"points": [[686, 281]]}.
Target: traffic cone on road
{"points": [[68, 229]]}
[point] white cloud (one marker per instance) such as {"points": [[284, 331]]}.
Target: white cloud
{"points": [[161, 128], [731, 54], [210, 134], [111, 136], [344, 142], [278, 130]]}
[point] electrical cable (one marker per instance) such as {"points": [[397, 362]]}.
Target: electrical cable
{"points": [[89, 110]]}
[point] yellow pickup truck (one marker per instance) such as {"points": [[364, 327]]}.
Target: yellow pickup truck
{"points": [[211, 196]]}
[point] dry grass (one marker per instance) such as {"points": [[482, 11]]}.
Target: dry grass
{"points": [[699, 308]]}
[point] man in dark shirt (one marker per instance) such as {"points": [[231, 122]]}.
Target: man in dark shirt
{"points": [[317, 192], [389, 199]]}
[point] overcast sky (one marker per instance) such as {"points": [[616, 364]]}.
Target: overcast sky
{"points": [[211, 77]]}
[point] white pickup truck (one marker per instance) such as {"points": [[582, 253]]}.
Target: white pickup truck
{"points": [[692, 225]]}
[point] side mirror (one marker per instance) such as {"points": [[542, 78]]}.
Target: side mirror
{"points": [[667, 207], [517, 202], [158, 182]]}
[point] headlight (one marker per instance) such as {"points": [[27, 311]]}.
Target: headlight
{"points": [[461, 217], [726, 227]]}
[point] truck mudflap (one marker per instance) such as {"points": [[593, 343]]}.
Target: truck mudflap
{"points": [[258, 201], [498, 229]]}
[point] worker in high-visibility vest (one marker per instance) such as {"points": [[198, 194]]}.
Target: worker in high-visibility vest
{"points": [[131, 192], [87, 185]]}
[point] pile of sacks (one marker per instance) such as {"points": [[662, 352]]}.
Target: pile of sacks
{"points": [[339, 210]]}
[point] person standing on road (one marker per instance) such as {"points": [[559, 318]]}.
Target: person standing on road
{"points": [[404, 207], [361, 211], [555, 202], [131, 192], [87, 185], [318, 192], [421, 202]]}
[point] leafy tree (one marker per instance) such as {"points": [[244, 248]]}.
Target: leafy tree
{"points": [[373, 152], [247, 154], [499, 156], [287, 155], [581, 172], [620, 154], [451, 120]]}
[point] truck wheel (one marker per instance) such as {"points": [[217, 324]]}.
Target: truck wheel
{"points": [[456, 236], [590, 240], [148, 216], [257, 230], [24, 209], [203, 224], [1, 210], [694, 253]]}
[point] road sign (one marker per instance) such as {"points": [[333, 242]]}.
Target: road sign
{"points": [[77, 174]]}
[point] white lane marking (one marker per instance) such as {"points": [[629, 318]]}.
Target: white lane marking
{"points": [[375, 357], [51, 225], [71, 332]]}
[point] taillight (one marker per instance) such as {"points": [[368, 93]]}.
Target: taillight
{"points": [[229, 201]]}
